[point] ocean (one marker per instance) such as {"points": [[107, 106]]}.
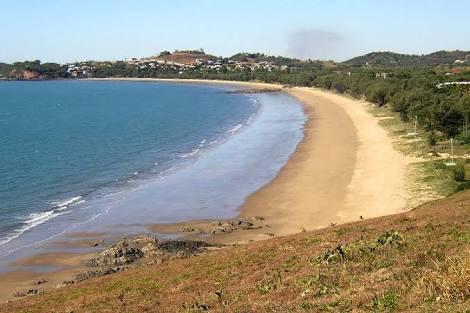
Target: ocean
{"points": [[89, 155]]}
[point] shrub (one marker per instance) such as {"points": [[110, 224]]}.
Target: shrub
{"points": [[432, 139], [459, 172], [387, 302]]}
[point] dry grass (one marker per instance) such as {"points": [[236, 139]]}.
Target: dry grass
{"points": [[447, 280], [411, 262]]}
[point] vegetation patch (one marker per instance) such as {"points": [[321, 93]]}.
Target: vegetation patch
{"points": [[347, 252], [447, 280], [386, 302]]}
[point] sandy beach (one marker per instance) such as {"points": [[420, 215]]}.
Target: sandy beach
{"points": [[344, 169]]}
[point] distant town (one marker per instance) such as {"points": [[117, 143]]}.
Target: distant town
{"points": [[184, 61]]}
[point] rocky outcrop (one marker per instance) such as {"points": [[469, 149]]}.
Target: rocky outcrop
{"points": [[29, 292], [97, 273], [127, 252], [181, 248], [116, 256], [226, 226]]}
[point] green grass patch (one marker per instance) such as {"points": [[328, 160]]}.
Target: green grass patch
{"points": [[387, 302], [439, 177], [459, 235]]}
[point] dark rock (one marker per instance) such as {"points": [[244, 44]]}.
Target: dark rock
{"points": [[65, 283], [102, 272], [123, 243], [188, 229], [116, 256], [30, 292], [186, 247], [39, 281], [229, 226]]}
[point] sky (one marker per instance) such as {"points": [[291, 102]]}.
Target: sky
{"points": [[66, 31]]}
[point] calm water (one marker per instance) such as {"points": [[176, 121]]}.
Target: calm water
{"points": [[79, 155]]}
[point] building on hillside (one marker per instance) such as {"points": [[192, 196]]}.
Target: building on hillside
{"points": [[382, 75]]}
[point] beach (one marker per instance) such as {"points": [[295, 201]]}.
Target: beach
{"points": [[344, 169]]}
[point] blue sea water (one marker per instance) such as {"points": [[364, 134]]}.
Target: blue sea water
{"points": [[86, 155]]}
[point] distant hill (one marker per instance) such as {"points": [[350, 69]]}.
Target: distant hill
{"points": [[396, 59], [261, 57], [5, 69], [186, 56]]}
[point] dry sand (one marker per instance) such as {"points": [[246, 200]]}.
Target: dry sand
{"points": [[345, 168]]}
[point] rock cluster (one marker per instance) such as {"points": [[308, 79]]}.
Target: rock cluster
{"points": [[225, 226], [97, 273], [29, 292], [117, 255], [39, 281]]}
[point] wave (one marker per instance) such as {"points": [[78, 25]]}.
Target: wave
{"points": [[62, 205], [187, 155], [34, 219], [235, 129], [38, 218], [201, 144]]}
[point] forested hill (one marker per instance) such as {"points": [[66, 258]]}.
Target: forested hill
{"points": [[388, 59]]}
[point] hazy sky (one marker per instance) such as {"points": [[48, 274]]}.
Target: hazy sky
{"points": [[64, 31]]}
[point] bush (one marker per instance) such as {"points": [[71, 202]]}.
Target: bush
{"points": [[464, 139], [459, 172], [432, 139]]}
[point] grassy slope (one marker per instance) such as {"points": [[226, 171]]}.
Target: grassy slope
{"points": [[417, 261]]}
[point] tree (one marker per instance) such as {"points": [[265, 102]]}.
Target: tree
{"points": [[464, 106], [377, 94]]}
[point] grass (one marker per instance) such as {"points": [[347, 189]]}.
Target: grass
{"points": [[428, 177], [386, 302], [447, 280], [438, 176], [416, 261]]}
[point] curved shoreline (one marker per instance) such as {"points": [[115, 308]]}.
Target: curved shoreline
{"points": [[344, 168], [313, 183]]}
